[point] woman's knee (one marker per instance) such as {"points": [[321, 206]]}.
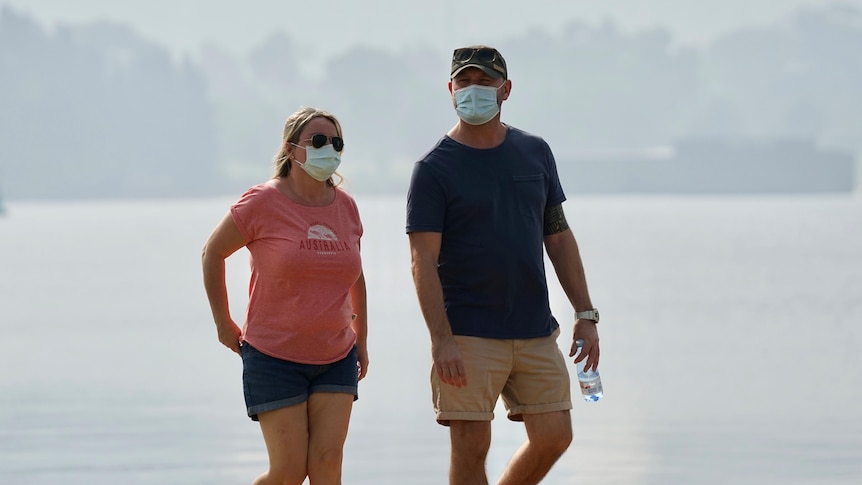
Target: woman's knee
{"points": [[325, 464], [280, 477], [330, 458]]}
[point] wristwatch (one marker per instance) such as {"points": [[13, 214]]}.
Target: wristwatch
{"points": [[592, 314]]}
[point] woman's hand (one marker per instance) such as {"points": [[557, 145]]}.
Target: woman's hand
{"points": [[362, 361], [229, 334]]}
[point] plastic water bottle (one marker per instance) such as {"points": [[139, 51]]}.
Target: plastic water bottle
{"points": [[590, 381]]}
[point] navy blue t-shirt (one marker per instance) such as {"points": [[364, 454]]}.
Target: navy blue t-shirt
{"points": [[489, 205]]}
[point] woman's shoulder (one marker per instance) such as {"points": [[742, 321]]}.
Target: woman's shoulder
{"points": [[342, 196], [257, 194], [268, 187], [263, 189]]}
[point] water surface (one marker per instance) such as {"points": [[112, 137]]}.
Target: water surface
{"points": [[730, 347]]}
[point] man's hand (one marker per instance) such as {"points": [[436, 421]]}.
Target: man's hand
{"points": [[449, 363], [586, 330]]}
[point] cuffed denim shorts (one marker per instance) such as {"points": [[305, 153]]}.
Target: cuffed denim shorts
{"points": [[270, 383]]}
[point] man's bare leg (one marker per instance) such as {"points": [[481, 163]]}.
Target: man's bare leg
{"points": [[470, 443], [548, 437]]}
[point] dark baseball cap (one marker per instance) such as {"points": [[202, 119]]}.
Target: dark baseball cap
{"points": [[482, 57]]}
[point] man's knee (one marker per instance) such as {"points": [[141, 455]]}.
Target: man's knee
{"points": [[552, 432], [559, 441], [470, 439]]}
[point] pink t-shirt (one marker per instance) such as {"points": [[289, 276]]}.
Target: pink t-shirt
{"points": [[304, 260]]}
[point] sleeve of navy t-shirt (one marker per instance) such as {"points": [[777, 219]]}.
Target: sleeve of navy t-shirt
{"points": [[426, 201]]}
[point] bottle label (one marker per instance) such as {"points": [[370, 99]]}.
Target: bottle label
{"points": [[590, 388]]}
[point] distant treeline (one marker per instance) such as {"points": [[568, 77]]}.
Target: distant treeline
{"points": [[96, 111]]}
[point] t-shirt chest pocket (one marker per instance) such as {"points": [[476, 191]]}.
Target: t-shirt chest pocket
{"points": [[531, 193]]}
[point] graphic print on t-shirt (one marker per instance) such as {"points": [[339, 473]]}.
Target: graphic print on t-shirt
{"points": [[322, 240], [319, 231]]}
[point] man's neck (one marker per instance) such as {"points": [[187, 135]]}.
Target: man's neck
{"points": [[488, 135]]}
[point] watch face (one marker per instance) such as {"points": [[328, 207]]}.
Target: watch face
{"points": [[589, 315]]}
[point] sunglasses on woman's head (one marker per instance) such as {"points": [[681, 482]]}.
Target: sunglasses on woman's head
{"points": [[320, 140]]}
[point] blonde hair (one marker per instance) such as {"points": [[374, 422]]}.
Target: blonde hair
{"points": [[292, 129]]}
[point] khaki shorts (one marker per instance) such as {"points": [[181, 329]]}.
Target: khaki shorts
{"points": [[529, 374]]}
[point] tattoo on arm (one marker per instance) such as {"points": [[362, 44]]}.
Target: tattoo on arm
{"points": [[555, 220]]}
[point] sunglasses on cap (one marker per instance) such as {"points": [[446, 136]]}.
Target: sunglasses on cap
{"points": [[319, 140], [481, 54]]}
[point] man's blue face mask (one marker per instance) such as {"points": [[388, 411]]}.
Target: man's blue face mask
{"points": [[476, 104]]}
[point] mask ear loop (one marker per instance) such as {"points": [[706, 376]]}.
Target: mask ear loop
{"points": [[285, 160], [290, 157]]}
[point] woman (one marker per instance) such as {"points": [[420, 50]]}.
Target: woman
{"points": [[303, 344]]}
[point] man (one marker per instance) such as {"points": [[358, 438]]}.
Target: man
{"points": [[483, 203]]}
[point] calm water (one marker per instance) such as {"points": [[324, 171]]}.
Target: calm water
{"points": [[731, 333]]}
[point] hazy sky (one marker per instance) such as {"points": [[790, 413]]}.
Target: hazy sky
{"points": [[331, 26]]}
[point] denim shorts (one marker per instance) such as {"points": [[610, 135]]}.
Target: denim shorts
{"points": [[270, 383]]}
